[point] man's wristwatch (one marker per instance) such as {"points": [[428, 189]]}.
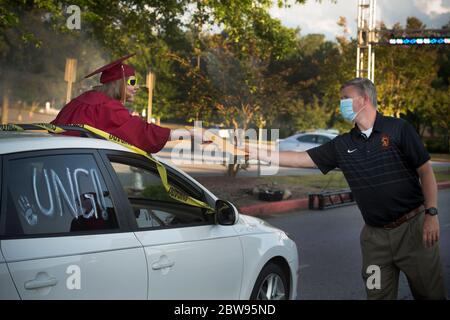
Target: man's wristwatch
{"points": [[431, 211]]}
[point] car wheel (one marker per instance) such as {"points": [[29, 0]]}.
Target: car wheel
{"points": [[271, 284]]}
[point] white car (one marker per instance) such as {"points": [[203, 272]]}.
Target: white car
{"points": [[304, 141], [85, 218]]}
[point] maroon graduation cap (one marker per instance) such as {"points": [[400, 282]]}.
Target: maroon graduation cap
{"points": [[114, 71]]}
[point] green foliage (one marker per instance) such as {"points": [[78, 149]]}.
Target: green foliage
{"points": [[252, 72], [436, 145], [156, 192], [311, 116]]}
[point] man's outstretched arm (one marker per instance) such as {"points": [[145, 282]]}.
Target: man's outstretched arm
{"points": [[283, 158]]}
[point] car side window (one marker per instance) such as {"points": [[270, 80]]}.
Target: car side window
{"points": [[57, 194], [140, 183], [151, 204], [307, 138], [322, 139]]}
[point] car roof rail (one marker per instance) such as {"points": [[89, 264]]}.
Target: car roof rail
{"points": [[50, 128]]}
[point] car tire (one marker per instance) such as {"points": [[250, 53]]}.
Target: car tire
{"points": [[271, 284]]}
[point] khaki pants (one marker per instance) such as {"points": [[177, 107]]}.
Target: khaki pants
{"points": [[402, 249]]}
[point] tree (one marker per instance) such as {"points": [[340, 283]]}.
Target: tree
{"points": [[401, 72]]}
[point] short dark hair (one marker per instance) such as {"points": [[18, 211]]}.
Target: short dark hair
{"points": [[365, 87]]}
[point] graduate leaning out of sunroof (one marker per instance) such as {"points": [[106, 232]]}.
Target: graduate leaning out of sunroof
{"points": [[103, 108]]}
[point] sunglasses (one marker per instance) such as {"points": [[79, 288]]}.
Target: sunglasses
{"points": [[132, 81]]}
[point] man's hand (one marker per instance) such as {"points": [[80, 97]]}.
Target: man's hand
{"points": [[430, 231], [292, 159]]}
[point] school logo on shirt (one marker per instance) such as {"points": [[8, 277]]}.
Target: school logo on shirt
{"points": [[385, 141]]}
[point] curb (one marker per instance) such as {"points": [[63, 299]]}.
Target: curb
{"points": [[265, 209], [270, 208], [444, 185]]}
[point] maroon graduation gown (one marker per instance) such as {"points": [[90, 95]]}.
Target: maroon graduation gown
{"points": [[102, 112]]}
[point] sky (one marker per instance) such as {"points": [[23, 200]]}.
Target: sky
{"points": [[315, 17]]}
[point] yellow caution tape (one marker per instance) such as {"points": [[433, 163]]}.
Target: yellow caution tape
{"points": [[49, 127], [173, 191], [10, 127]]}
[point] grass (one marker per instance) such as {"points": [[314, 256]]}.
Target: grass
{"points": [[442, 174], [334, 180], [233, 189]]}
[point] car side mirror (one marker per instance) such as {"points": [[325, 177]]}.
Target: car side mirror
{"points": [[226, 213]]}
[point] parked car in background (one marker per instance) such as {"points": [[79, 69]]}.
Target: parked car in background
{"points": [[306, 140], [84, 218], [221, 132]]}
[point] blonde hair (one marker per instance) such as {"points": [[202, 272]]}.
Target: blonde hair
{"points": [[113, 89]]}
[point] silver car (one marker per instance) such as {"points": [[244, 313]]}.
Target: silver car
{"points": [[84, 218], [304, 141]]}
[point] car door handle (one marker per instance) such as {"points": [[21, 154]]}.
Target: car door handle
{"points": [[162, 265], [37, 284]]}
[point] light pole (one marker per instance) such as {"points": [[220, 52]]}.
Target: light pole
{"points": [[365, 53]]}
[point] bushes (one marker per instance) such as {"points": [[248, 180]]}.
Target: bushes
{"points": [[436, 145]]}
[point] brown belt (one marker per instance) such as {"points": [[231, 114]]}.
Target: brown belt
{"points": [[404, 218]]}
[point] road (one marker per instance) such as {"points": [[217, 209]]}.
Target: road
{"points": [[329, 251]]}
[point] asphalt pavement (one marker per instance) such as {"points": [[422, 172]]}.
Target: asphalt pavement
{"points": [[329, 251]]}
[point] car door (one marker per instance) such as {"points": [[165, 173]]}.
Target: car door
{"points": [[7, 289], [63, 233], [188, 255]]}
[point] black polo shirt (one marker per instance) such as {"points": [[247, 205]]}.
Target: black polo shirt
{"points": [[380, 170]]}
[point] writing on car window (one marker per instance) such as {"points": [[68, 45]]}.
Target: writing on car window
{"points": [[58, 194]]}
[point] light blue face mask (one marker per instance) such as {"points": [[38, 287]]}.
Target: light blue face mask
{"points": [[347, 110]]}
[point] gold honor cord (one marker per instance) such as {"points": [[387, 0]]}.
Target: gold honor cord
{"points": [[173, 192]]}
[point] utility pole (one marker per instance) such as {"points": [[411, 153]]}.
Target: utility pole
{"points": [[5, 107], [365, 54], [150, 83], [70, 76]]}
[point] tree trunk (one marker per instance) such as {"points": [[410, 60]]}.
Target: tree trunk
{"points": [[233, 168]]}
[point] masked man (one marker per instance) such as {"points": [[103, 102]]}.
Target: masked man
{"points": [[389, 172]]}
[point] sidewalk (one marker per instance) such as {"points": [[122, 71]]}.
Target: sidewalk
{"points": [[270, 208]]}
